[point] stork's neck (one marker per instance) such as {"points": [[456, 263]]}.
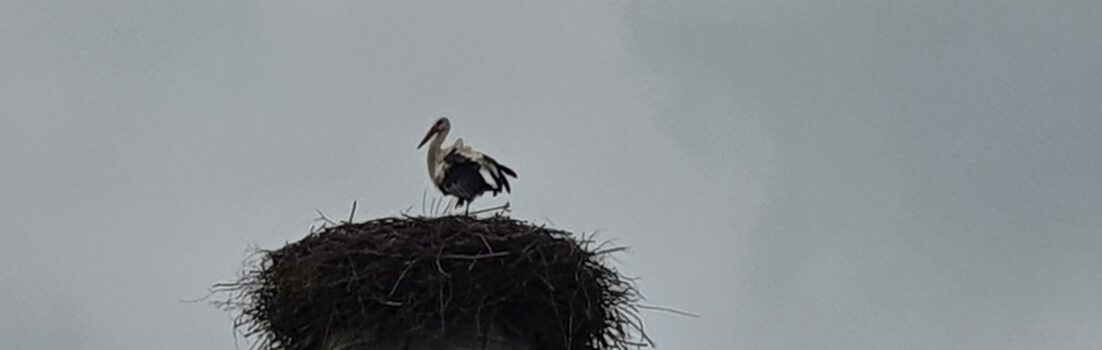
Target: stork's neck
{"points": [[436, 155]]}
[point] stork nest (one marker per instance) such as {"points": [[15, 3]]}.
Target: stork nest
{"points": [[394, 279]]}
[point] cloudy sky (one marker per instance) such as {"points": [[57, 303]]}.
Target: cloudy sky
{"points": [[802, 174]]}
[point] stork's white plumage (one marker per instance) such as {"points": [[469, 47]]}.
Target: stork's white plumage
{"points": [[460, 171]]}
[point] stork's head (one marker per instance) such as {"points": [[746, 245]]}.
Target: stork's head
{"points": [[442, 125]]}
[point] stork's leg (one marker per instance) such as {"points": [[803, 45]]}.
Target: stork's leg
{"points": [[467, 209]]}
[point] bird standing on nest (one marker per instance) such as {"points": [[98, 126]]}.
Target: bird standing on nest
{"points": [[460, 171]]}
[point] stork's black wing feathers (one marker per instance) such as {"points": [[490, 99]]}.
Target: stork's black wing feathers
{"points": [[462, 178], [504, 169], [499, 175]]}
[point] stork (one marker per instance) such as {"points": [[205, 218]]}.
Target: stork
{"points": [[460, 171]]}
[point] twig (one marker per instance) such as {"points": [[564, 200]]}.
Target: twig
{"points": [[203, 298], [666, 309], [449, 205], [322, 217], [503, 208], [353, 213], [409, 264], [474, 257], [610, 250]]}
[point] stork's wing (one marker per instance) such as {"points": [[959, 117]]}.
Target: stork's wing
{"points": [[497, 172], [489, 170], [464, 177]]}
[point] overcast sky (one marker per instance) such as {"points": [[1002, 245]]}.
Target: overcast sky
{"points": [[802, 174]]}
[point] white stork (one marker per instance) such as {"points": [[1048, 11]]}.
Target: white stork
{"points": [[460, 171]]}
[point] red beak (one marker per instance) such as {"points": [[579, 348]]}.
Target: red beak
{"points": [[427, 137]]}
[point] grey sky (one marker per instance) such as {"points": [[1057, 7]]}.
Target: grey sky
{"points": [[803, 174]]}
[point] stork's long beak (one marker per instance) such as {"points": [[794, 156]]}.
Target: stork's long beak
{"points": [[427, 137]]}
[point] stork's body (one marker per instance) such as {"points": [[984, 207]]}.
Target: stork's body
{"points": [[460, 171]]}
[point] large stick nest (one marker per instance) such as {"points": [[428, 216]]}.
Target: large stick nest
{"points": [[392, 279]]}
